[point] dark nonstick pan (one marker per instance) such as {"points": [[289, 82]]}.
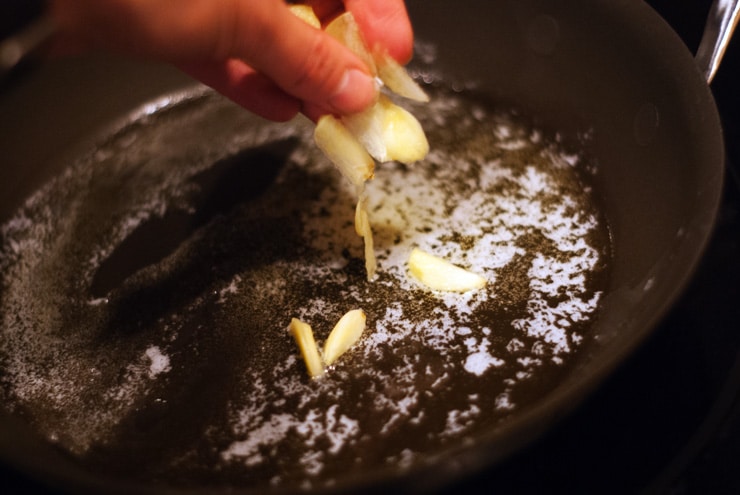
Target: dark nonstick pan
{"points": [[156, 240]]}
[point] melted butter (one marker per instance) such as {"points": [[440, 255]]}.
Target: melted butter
{"points": [[183, 367]]}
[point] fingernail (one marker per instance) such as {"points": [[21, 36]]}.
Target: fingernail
{"points": [[355, 92]]}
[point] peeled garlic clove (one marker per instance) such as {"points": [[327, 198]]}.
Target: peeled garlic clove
{"points": [[367, 128], [439, 274], [388, 132], [306, 14], [344, 29], [344, 150], [363, 229], [345, 334], [404, 138], [303, 336], [397, 79], [362, 223]]}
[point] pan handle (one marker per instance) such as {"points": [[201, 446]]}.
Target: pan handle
{"points": [[721, 22]]}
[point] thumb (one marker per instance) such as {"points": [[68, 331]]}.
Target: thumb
{"points": [[306, 62]]}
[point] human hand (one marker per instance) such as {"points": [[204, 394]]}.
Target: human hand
{"points": [[256, 52]]}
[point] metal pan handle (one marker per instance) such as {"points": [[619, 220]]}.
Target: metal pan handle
{"points": [[721, 22]]}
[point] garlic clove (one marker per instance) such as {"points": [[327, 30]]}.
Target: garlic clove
{"points": [[345, 334], [303, 336], [439, 274]]}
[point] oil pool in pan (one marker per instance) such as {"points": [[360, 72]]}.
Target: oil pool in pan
{"points": [[177, 365]]}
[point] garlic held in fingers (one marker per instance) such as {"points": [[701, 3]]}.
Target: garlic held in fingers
{"points": [[439, 274], [344, 150], [384, 131], [404, 138], [345, 334], [388, 132], [344, 29], [397, 79]]}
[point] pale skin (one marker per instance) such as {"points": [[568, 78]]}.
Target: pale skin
{"points": [[255, 52]]}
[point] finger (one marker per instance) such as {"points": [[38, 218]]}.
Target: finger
{"points": [[151, 28], [385, 23], [308, 63], [246, 87], [313, 111], [326, 10], [302, 60]]}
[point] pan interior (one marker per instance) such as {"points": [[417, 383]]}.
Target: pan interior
{"points": [[147, 290]]}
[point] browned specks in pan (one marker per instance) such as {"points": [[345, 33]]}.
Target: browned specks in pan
{"points": [[181, 368]]}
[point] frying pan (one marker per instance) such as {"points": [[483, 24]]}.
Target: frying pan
{"points": [[609, 77]]}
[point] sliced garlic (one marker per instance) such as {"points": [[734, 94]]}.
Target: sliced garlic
{"points": [[439, 274], [384, 132], [345, 334], [344, 150], [344, 29], [397, 79], [363, 229], [388, 132], [303, 336], [404, 138], [306, 14]]}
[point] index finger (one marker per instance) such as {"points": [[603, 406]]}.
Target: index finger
{"points": [[385, 23]]}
